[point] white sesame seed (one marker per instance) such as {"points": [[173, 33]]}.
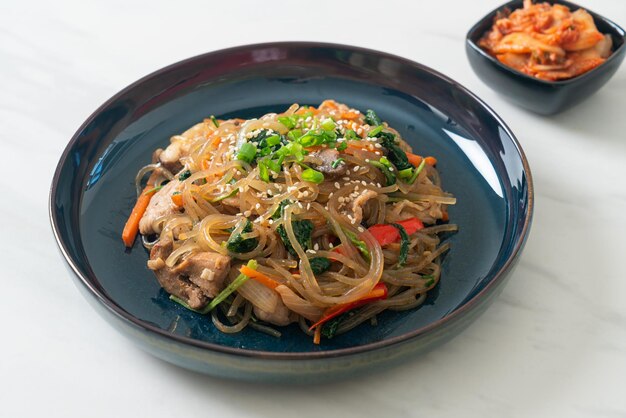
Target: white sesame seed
{"points": [[316, 246], [247, 213], [337, 185], [377, 145], [346, 179], [330, 245], [270, 221], [257, 206]]}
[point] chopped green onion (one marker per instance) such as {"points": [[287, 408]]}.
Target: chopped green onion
{"points": [[385, 161], [294, 134], [360, 245], [184, 304], [375, 131], [312, 176], [275, 166], [234, 285], [224, 196], [337, 162], [404, 244], [431, 279], [247, 152], [328, 125], [291, 149], [406, 173], [313, 138], [156, 189], [273, 140], [264, 173], [342, 146], [417, 171], [350, 134], [390, 177], [215, 122], [288, 121]]}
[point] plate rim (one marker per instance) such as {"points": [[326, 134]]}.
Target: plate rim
{"points": [[132, 320]]}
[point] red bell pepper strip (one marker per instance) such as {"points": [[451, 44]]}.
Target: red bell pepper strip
{"points": [[387, 234], [377, 293]]}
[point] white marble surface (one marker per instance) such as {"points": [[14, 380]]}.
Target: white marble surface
{"points": [[552, 345]]}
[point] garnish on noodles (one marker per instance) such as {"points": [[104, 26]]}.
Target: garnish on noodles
{"points": [[319, 216]]}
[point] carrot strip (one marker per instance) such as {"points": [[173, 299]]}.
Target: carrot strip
{"points": [[259, 277], [349, 115], [329, 103], [216, 141], [177, 199], [379, 291], [317, 335], [431, 161], [131, 228], [414, 159]]}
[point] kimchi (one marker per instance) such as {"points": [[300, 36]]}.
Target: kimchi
{"points": [[549, 42]]}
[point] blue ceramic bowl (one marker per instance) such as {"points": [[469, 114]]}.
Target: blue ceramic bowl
{"points": [[479, 159], [540, 96]]}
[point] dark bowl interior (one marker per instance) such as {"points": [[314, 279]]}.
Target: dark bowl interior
{"points": [[541, 96], [480, 162]]}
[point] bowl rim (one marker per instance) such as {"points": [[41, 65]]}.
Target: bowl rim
{"points": [[126, 317], [515, 73]]}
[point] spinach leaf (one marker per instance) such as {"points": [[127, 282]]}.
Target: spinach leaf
{"points": [[184, 175], [319, 265], [281, 209], [268, 142], [302, 229], [371, 118], [237, 244], [394, 152], [404, 244]]}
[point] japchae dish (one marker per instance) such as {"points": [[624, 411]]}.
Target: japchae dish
{"points": [[547, 41], [321, 216]]}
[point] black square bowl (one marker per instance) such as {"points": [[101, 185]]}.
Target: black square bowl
{"points": [[540, 96]]}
